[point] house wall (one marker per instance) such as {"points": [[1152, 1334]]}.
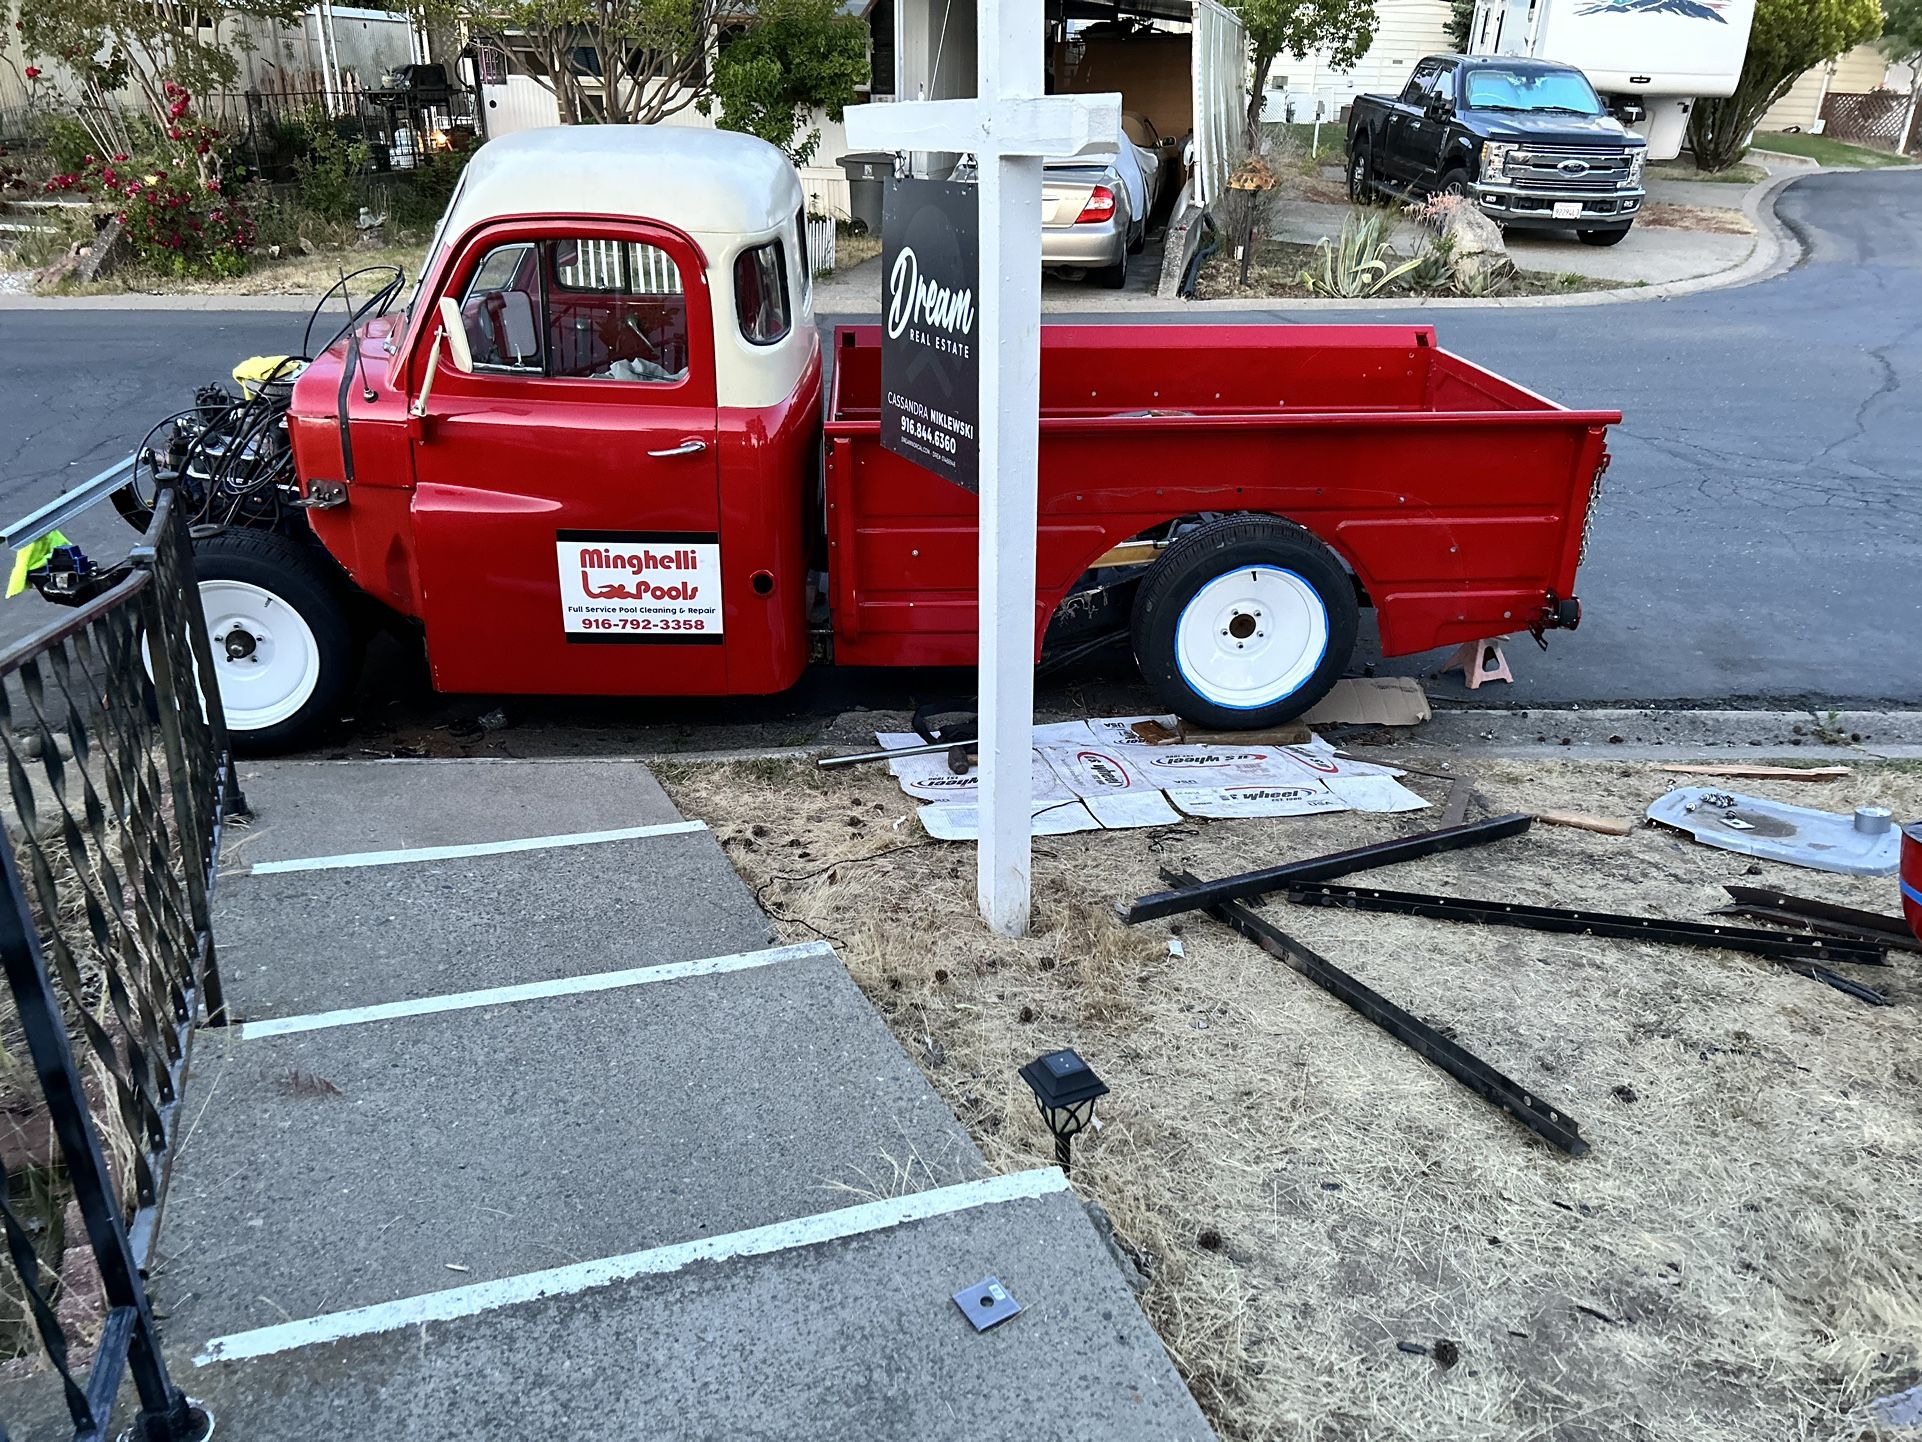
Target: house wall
{"points": [[1855, 72], [1405, 30]]}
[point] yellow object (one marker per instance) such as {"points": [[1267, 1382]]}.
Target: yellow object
{"points": [[251, 373], [31, 557]]}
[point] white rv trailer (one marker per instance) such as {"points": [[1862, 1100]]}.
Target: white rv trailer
{"points": [[1656, 55]]}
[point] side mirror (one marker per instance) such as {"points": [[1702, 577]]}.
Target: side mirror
{"points": [[454, 329]]}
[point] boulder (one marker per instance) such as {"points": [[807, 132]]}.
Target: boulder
{"points": [[1474, 244]]}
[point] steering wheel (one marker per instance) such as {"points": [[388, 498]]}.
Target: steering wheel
{"points": [[375, 305]]}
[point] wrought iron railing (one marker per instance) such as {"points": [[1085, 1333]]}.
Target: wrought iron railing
{"points": [[118, 776]]}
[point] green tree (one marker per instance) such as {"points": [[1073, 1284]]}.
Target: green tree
{"points": [[1461, 24], [1902, 43], [793, 57], [1789, 37], [1345, 28], [607, 62], [149, 44]]}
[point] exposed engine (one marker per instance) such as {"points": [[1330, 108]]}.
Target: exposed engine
{"points": [[228, 456]]}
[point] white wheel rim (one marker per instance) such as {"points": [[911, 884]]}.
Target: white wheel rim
{"points": [[264, 653], [1251, 637]]}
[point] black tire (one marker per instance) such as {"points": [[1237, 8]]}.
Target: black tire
{"points": [[286, 574], [1454, 183], [1111, 277], [1602, 237], [1361, 172], [1214, 553]]}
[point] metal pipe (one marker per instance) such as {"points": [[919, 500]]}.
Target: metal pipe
{"points": [[1199, 895], [1553, 1126]]}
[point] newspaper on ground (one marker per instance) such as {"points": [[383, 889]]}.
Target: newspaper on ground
{"points": [[1098, 775]]}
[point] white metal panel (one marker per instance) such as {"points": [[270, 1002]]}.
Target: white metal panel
{"points": [[521, 103], [1219, 61], [1693, 47]]}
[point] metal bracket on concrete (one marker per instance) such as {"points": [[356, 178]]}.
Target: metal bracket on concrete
{"points": [[986, 1304]]}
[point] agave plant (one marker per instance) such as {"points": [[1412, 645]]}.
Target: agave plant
{"points": [[1358, 262]]}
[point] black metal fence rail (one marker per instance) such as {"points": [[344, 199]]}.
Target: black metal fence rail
{"points": [[117, 779]]}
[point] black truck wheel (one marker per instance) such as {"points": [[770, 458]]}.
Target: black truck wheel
{"points": [[1361, 172], [1244, 623], [1602, 237], [282, 645]]}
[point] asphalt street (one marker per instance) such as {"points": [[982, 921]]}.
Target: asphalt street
{"points": [[1759, 538]]}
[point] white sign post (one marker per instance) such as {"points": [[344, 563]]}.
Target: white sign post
{"points": [[1008, 128]]}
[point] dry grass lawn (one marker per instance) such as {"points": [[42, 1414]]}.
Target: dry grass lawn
{"points": [[1715, 219], [1739, 1257]]}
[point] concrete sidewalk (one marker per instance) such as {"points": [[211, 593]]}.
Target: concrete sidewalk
{"points": [[527, 1130]]}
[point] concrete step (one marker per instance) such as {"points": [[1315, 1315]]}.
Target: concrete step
{"points": [[302, 941], [367, 1160], [325, 808], [840, 1328]]}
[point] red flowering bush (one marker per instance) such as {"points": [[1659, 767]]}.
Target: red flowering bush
{"points": [[176, 214]]}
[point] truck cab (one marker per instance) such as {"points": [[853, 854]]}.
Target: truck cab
{"points": [[641, 382], [1527, 141]]}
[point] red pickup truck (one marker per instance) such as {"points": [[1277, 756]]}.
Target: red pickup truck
{"points": [[590, 458]]}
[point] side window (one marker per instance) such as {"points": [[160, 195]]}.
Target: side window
{"points": [[1416, 91], [760, 293], [500, 310], [616, 310], [801, 249], [1442, 86]]}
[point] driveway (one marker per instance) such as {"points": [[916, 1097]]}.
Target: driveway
{"points": [[1760, 537]]}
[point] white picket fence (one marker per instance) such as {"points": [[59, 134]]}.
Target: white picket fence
{"points": [[821, 243]]}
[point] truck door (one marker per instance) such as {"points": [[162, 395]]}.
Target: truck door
{"points": [[566, 512], [1408, 120]]}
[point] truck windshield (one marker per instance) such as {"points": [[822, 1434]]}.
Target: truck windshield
{"points": [[1566, 91]]}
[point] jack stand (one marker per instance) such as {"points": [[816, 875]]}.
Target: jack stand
{"points": [[1480, 661]]}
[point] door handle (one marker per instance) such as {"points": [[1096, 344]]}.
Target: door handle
{"points": [[686, 448]]}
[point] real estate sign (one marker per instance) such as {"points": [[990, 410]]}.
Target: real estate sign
{"points": [[930, 360]]}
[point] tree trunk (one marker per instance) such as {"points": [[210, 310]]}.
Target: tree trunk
{"points": [[1718, 130], [1264, 61]]}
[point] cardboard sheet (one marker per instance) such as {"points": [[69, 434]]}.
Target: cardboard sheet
{"points": [[1095, 775]]}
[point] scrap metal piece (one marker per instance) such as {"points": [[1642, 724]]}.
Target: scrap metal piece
{"points": [[1799, 953], [1200, 895], [1762, 903], [1856, 845], [1552, 1125], [986, 1304]]}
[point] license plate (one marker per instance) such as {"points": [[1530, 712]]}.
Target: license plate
{"points": [[1568, 210]]}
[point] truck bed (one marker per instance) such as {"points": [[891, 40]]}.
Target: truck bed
{"points": [[1457, 498]]}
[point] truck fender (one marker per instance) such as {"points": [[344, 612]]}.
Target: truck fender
{"points": [[1140, 550]]}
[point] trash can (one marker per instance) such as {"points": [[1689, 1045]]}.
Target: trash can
{"points": [[868, 173]]}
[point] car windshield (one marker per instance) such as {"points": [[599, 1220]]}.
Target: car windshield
{"points": [[1566, 91]]}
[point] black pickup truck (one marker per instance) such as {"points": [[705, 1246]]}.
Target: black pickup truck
{"points": [[1526, 140]]}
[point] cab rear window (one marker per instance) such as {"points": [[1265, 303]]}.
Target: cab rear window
{"points": [[760, 293]]}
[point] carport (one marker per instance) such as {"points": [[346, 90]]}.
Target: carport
{"points": [[1181, 63]]}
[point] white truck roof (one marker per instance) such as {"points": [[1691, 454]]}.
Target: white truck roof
{"points": [[727, 191], [714, 182]]}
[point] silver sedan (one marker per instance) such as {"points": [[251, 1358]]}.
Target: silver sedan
{"points": [[1094, 210]]}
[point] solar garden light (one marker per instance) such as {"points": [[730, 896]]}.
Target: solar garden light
{"points": [[1065, 1089]]}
